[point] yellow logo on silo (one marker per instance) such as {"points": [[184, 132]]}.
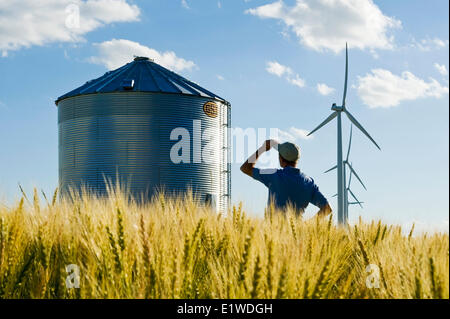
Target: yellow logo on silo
{"points": [[210, 109]]}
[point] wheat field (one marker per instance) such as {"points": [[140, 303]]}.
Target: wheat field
{"points": [[173, 247]]}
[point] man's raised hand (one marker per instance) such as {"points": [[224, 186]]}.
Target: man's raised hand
{"points": [[268, 144]]}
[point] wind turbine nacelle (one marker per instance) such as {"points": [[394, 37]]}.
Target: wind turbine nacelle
{"points": [[334, 107]]}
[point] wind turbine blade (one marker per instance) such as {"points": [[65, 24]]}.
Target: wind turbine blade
{"points": [[328, 119], [349, 142], [352, 171], [354, 121], [346, 75], [350, 178], [329, 170], [356, 203], [354, 197]]}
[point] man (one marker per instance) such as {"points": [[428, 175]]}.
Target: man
{"points": [[287, 185]]}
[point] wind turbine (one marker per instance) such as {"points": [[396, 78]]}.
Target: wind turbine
{"points": [[337, 110], [352, 172], [356, 200], [347, 191]]}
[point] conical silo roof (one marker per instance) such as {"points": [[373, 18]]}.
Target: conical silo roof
{"points": [[141, 75]]}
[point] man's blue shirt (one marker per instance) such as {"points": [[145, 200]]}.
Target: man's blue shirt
{"points": [[289, 185]]}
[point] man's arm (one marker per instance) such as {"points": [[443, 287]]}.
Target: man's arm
{"points": [[324, 210], [247, 167], [320, 201]]}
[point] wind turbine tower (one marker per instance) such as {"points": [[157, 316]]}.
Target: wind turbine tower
{"points": [[347, 190], [337, 113]]}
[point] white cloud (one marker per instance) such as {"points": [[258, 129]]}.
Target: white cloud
{"points": [[278, 69], [219, 4], [299, 133], [381, 88], [429, 44], [283, 136], [24, 23], [329, 24], [184, 4], [285, 33], [296, 80], [220, 77], [439, 43], [291, 135], [116, 52], [273, 67], [324, 89], [442, 69]]}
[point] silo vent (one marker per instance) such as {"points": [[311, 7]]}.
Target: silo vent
{"points": [[141, 58], [127, 84]]}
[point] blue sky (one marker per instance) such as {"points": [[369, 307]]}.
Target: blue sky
{"points": [[269, 59]]}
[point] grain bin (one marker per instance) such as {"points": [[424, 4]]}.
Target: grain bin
{"points": [[132, 122]]}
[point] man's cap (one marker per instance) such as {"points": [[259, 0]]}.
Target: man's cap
{"points": [[289, 151]]}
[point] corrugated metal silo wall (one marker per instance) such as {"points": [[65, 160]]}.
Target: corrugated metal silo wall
{"points": [[128, 134]]}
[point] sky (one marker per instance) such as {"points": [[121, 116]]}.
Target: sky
{"points": [[279, 63]]}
